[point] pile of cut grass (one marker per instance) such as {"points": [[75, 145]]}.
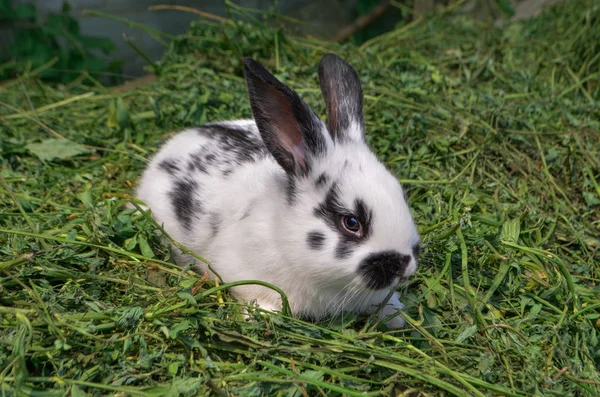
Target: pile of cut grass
{"points": [[495, 133]]}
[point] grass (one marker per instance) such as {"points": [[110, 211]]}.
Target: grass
{"points": [[495, 134]]}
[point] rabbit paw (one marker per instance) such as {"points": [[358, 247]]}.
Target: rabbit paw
{"points": [[265, 305], [391, 308]]}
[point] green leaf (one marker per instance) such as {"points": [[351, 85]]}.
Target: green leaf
{"points": [[131, 243], [182, 326], [76, 391], [111, 120], [312, 374], [19, 348], [63, 24], [122, 113], [54, 25], [187, 296], [51, 149], [118, 115], [145, 247], [173, 368], [86, 198], [104, 45], [61, 345], [25, 11], [66, 7], [130, 316], [6, 11], [505, 7], [511, 229], [591, 199], [467, 333], [535, 310]]}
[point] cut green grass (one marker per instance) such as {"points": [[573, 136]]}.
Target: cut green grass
{"points": [[494, 133]]}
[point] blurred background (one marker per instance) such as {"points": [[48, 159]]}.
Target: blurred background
{"points": [[115, 39]]}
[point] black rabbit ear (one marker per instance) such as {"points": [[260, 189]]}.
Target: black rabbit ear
{"points": [[343, 95], [290, 129]]}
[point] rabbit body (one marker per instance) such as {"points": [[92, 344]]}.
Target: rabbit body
{"points": [[289, 200]]}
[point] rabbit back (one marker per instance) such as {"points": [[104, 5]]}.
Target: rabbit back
{"points": [[206, 181]]}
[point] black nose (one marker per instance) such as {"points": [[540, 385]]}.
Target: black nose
{"points": [[381, 268]]}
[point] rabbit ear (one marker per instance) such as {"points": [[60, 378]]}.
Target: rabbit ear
{"points": [[342, 91], [289, 128]]}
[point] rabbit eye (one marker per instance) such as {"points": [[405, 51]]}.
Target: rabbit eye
{"points": [[352, 225]]}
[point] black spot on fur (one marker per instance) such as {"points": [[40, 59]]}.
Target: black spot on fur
{"points": [[215, 223], [169, 166], [344, 249], [197, 162], [290, 190], [184, 202], [315, 240], [380, 269], [240, 145], [322, 179]]}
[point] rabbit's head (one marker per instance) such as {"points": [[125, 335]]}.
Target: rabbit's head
{"points": [[346, 220]]}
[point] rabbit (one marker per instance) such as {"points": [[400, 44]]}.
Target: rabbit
{"points": [[290, 200]]}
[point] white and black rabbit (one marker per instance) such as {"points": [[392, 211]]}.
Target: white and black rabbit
{"points": [[289, 200]]}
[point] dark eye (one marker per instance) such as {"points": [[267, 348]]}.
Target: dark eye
{"points": [[352, 224]]}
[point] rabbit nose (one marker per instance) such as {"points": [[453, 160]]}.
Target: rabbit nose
{"points": [[380, 269]]}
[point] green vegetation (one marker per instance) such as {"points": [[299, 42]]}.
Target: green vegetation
{"points": [[54, 45], [495, 133]]}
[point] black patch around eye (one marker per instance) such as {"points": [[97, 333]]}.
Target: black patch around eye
{"points": [[331, 210], [169, 166], [322, 180], [185, 204], [364, 215], [315, 240], [379, 270]]}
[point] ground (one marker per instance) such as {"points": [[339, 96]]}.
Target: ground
{"points": [[494, 132]]}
